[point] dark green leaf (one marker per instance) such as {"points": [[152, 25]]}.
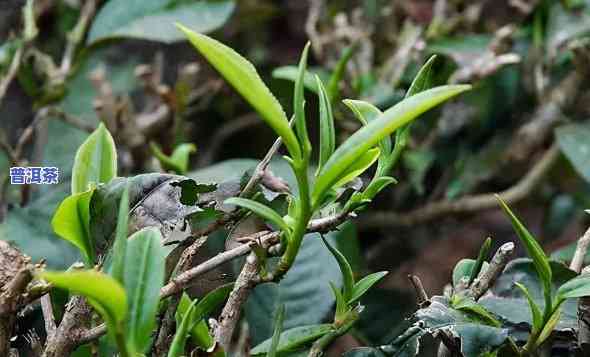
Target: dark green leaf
{"points": [[154, 19], [534, 250], [484, 251], [575, 288], [345, 269], [573, 140], [363, 285], [121, 234], [182, 331]]}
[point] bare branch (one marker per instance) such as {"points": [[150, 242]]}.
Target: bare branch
{"points": [[231, 311], [421, 296], [12, 71], [481, 285], [48, 315]]}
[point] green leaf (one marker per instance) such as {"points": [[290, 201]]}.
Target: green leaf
{"points": [[154, 19], [260, 210], [549, 326], [200, 332], [365, 113], [573, 140], [377, 185], [484, 251], [462, 270], [182, 331], [276, 336], [368, 136], [575, 288], [299, 103], [120, 244], [345, 269], [423, 79], [338, 72], [242, 75], [194, 314], [467, 304], [341, 305], [358, 167], [290, 73], [537, 315], [145, 263], [363, 285], [294, 338], [102, 291], [535, 251], [95, 162], [327, 131], [71, 222], [178, 161]]}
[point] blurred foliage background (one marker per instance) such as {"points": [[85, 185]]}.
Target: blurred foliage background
{"points": [[521, 131]]}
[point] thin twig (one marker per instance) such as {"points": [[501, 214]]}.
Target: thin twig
{"points": [[231, 311], [466, 204], [76, 36], [48, 316], [481, 285], [183, 280], [580, 253]]}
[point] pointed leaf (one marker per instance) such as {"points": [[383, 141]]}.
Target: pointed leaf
{"points": [[102, 291], [145, 264], [423, 79], [549, 326], [299, 102], [363, 285], [535, 310], [242, 75], [365, 113], [358, 167], [260, 210], [120, 244], [534, 250], [377, 185], [294, 338], [178, 343], [178, 161], [484, 251], [95, 161], [71, 222], [368, 136], [575, 288], [345, 269], [327, 131], [333, 89]]}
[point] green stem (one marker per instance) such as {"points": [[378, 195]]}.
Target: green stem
{"points": [[304, 214], [122, 345]]}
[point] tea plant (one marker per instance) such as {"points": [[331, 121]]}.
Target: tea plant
{"points": [[124, 227]]}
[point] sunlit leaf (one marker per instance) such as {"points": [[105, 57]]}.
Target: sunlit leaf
{"points": [[368, 136], [95, 162], [71, 222], [299, 102], [145, 265], [363, 285], [178, 161], [535, 310], [242, 75], [327, 131]]}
